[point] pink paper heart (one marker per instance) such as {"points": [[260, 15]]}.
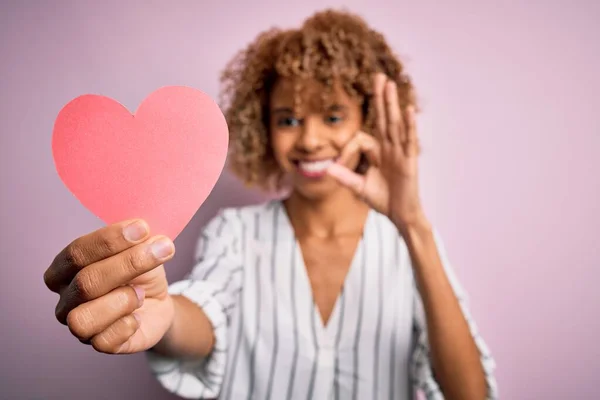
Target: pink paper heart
{"points": [[159, 164]]}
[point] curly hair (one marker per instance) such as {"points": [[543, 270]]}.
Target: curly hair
{"points": [[330, 46]]}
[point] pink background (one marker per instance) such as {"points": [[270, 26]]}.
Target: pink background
{"points": [[510, 132]]}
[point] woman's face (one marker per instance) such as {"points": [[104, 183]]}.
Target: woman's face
{"points": [[308, 138]]}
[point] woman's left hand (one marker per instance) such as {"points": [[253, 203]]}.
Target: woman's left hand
{"points": [[390, 185]]}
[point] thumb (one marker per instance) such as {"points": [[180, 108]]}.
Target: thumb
{"points": [[347, 177]]}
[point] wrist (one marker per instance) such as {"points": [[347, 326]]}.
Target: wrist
{"points": [[163, 344], [419, 237], [418, 226]]}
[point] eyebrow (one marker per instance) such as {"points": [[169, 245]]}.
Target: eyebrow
{"points": [[282, 110], [337, 107], [288, 110]]}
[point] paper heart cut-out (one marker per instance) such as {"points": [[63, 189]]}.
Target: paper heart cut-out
{"points": [[159, 164]]}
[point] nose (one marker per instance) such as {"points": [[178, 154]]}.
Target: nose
{"points": [[311, 136]]}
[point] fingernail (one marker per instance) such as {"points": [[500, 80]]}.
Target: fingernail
{"points": [[161, 248], [137, 317], [135, 232], [140, 295]]}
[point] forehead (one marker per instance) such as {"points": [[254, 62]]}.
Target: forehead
{"points": [[303, 93]]}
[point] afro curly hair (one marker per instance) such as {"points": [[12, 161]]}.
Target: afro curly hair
{"points": [[331, 46]]}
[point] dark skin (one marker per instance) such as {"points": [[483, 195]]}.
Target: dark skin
{"points": [[327, 211], [113, 289], [319, 130]]}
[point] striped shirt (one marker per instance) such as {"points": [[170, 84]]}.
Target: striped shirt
{"points": [[271, 343]]}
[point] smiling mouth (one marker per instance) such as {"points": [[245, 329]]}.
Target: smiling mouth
{"points": [[313, 169]]}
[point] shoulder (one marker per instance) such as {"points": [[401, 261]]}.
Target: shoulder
{"points": [[381, 230], [379, 227], [243, 213], [236, 219], [228, 228]]}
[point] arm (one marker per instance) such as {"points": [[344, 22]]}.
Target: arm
{"points": [[191, 334], [191, 359], [457, 362], [391, 187]]}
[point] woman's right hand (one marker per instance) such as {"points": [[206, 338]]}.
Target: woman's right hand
{"points": [[113, 288]]}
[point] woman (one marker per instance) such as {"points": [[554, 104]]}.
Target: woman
{"points": [[313, 296]]}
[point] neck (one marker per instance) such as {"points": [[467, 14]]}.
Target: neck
{"points": [[340, 214]]}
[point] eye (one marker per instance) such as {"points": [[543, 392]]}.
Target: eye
{"points": [[334, 119], [288, 121]]}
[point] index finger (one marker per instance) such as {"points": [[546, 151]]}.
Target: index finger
{"points": [[102, 277], [361, 143], [93, 247]]}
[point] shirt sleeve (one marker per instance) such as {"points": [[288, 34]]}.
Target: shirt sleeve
{"points": [[214, 284], [422, 375]]}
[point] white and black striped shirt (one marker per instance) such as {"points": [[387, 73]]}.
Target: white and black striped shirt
{"points": [[270, 339]]}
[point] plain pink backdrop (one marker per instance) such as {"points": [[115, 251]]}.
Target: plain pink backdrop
{"points": [[509, 172]]}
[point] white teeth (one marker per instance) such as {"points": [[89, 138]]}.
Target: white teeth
{"points": [[315, 166]]}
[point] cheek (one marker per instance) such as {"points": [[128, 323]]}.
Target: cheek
{"points": [[342, 138], [281, 145], [346, 131]]}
